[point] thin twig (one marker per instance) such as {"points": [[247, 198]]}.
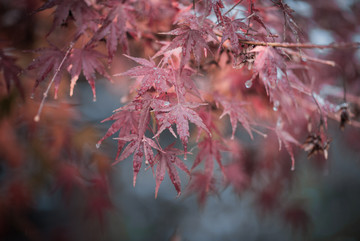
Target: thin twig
{"points": [[305, 57], [232, 7], [37, 117]]}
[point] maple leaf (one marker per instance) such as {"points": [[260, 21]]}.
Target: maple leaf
{"points": [[47, 64], [167, 160], [236, 176], [297, 217], [126, 123], [114, 27], [236, 112], [266, 65], [68, 177], [214, 5], [87, 61], [288, 18], [203, 185], [179, 114], [140, 147], [184, 83], [153, 76], [209, 150], [286, 138], [81, 11], [189, 40], [231, 31], [10, 71], [98, 199]]}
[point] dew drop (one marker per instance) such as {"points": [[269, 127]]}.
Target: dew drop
{"points": [[276, 105], [248, 84], [37, 118], [167, 103]]}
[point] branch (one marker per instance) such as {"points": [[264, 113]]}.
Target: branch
{"points": [[305, 57], [303, 45], [232, 7]]}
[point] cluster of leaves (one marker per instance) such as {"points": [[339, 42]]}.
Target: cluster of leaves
{"points": [[218, 58]]}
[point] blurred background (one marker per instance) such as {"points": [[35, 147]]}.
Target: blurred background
{"points": [[56, 185]]}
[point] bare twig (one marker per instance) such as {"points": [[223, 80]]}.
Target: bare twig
{"points": [[37, 117], [305, 57], [233, 7]]}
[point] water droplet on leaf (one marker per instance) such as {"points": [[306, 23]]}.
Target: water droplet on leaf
{"points": [[248, 84], [276, 105]]}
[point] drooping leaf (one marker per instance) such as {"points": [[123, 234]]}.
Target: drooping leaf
{"points": [[152, 76], [203, 185], [232, 31], [237, 112], [266, 65], [209, 151], [286, 138], [215, 5], [126, 123], [80, 10], [189, 40], [141, 147], [10, 71], [86, 60], [115, 26], [47, 65], [167, 160], [179, 114]]}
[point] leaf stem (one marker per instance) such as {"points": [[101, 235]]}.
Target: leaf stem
{"points": [[37, 117]]}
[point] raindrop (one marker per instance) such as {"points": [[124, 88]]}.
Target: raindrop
{"points": [[248, 83], [276, 105]]}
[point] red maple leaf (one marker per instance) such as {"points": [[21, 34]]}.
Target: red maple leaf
{"points": [[237, 112], [10, 71], [126, 123], [167, 160], [203, 185], [297, 217], [214, 5], [140, 147], [47, 64], [286, 138], [152, 76], [236, 176], [80, 10], [190, 40], [209, 150], [266, 65], [179, 114], [87, 61], [114, 27], [231, 31]]}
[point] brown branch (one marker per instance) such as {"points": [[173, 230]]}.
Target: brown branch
{"points": [[303, 45]]}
